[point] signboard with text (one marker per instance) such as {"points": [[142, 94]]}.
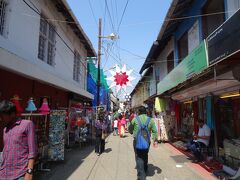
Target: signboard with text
{"points": [[225, 40], [193, 64]]}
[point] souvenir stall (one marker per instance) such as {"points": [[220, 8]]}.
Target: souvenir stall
{"points": [[80, 118]]}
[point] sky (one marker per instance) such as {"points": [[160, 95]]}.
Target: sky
{"points": [[136, 28]]}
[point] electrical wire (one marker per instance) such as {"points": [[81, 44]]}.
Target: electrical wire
{"points": [[110, 17], [140, 23], [94, 17], [131, 52], [124, 11], [118, 61]]}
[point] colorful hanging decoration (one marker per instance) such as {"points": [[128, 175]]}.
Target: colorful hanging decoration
{"points": [[31, 106], [121, 77], [16, 100], [44, 109]]}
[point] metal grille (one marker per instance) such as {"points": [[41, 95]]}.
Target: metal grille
{"points": [[3, 5]]}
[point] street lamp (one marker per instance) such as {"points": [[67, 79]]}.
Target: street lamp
{"points": [[112, 36]]}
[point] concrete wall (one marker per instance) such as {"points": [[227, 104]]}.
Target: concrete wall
{"points": [[22, 36]]}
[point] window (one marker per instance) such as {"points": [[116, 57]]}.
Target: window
{"points": [[76, 67], [232, 7], [170, 62], [3, 6], [193, 37], [46, 45], [157, 74], [183, 47], [83, 74], [210, 23]]}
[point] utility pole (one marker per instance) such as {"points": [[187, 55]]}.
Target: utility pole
{"points": [[99, 60]]}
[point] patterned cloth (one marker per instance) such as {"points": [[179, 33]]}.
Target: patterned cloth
{"points": [[19, 147]]}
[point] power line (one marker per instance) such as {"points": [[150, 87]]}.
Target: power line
{"points": [[118, 61], [140, 23], [122, 15], [131, 52], [110, 17], [94, 17]]}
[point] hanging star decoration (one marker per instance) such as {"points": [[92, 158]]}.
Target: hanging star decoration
{"points": [[120, 78]]}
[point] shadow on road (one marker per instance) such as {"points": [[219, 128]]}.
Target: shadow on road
{"points": [[180, 159], [108, 150], [152, 170], [63, 169]]}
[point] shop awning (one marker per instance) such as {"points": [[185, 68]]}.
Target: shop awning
{"points": [[16, 64], [222, 83]]}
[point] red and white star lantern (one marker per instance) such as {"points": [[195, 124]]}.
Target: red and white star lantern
{"points": [[120, 78]]}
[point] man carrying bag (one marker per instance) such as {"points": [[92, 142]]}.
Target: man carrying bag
{"points": [[141, 127]]}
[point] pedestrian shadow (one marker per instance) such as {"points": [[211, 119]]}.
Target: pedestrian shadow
{"points": [[152, 170], [73, 160], [180, 159], [108, 150]]}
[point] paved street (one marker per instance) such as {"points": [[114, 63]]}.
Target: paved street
{"points": [[117, 163]]}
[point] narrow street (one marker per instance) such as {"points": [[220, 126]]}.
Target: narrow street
{"points": [[117, 163]]}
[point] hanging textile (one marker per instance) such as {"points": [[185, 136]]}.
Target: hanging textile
{"points": [[56, 135], [210, 121], [195, 116], [160, 104], [178, 115]]}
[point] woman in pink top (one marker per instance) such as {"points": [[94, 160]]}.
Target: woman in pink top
{"points": [[123, 123]]}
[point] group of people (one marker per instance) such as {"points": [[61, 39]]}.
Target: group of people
{"points": [[143, 121], [120, 126], [20, 148]]}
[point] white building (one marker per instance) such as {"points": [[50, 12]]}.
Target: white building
{"points": [[43, 51]]}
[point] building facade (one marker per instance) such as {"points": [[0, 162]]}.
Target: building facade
{"points": [[43, 53]]}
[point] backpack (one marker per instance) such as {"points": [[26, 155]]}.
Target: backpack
{"points": [[143, 135]]}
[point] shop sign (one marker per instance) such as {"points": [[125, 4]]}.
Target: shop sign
{"points": [[225, 40], [192, 65]]}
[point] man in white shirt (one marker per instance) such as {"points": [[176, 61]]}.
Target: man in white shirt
{"points": [[201, 140]]}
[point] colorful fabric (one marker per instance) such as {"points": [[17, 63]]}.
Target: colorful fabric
{"points": [[210, 121], [160, 104], [133, 127], [19, 147], [56, 135]]}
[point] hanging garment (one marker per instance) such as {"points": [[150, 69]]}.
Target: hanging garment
{"points": [[160, 104], [210, 121]]}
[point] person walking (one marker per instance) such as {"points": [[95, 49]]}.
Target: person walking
{"points": [[99, 132], [123, 124], [19, 149], [135, 127], [115, 127]]}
